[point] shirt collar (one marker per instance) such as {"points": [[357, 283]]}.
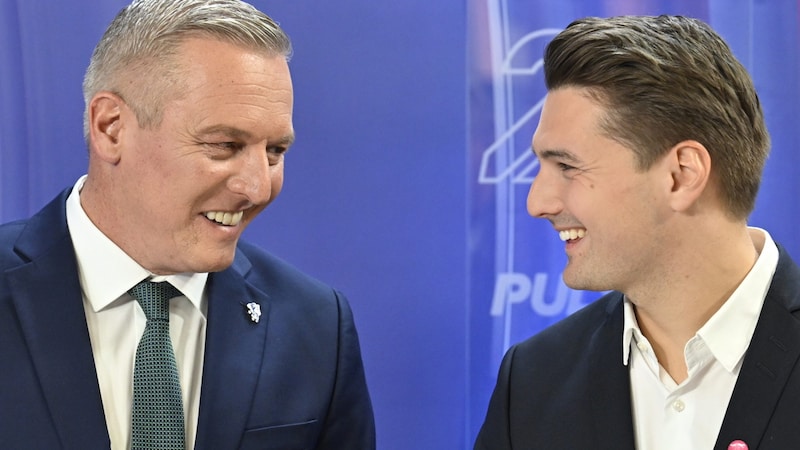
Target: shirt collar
{"points": [[630, 326], [106, 272], [728, 332]]}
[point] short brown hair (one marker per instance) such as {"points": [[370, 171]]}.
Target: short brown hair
{"points": [[664, 80]]}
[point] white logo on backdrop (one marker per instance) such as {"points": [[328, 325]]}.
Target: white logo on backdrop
{"points": [[518, 94], [504, 160]]}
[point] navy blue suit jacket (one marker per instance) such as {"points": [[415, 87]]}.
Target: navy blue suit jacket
{"points": [[294, 380], [567, 387]]}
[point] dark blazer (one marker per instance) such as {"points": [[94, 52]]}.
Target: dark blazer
{"points": [[567, 387], [294, 380]]}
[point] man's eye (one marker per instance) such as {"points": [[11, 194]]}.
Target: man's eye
{"points": [[275, 154], [228, 145], [224, 146], [565, 167]]}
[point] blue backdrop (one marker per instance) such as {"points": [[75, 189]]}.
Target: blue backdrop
{"points": [[407, 183]]}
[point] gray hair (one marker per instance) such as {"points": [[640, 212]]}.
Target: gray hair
{"points": [[134, 57]]}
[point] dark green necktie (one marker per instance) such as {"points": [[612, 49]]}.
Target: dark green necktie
{"points": [[157, 413]]}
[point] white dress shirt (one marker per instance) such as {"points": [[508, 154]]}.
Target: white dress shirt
{"points": [[116, 323], [689, 415]]}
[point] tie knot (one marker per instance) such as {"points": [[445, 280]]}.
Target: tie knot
{"points": [[154, 298]]}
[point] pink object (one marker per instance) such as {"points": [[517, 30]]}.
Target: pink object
{"points": [[737, 445]]}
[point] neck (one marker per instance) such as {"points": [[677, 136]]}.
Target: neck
{"points": [[671, 310]]}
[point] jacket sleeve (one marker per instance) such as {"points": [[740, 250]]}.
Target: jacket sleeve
{"points": [[495, 432], [349, 422]]}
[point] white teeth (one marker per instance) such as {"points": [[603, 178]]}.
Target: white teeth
{"points": [[225, 218], [571, 234]]}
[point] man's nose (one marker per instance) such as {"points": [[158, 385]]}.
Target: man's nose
{"points": [[253, 177], [543, 197]]}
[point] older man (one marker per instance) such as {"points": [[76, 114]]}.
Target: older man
{"points": [[131, 316]]}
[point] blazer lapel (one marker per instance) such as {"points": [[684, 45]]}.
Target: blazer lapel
{"points": [[49, 305], [770, 359], [233, 357], [610, 383]]}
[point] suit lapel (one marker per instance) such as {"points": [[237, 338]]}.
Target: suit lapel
{"points": [[47, 297], [233, 357], [609, 382], [770, 359]]}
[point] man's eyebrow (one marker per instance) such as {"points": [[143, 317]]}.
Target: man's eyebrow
{"points": [[287, 140], [227, 130], [236, 133], [562, 155]]}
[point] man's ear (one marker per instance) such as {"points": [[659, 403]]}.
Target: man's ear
{"points": [[690, 167], [106, 125]]}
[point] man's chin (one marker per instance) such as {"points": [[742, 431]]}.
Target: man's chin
{"points": [[212, 260], [581, 282], [576, 280], [216, 266]]}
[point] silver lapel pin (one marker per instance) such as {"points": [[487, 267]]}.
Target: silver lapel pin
{"points": [[254, 309]]}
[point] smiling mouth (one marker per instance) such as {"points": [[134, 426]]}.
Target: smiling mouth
{"points": [[571, 234], [230, 219]]}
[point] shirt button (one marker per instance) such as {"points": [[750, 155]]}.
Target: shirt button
{"points": [[678, 405], [642, 346]]}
